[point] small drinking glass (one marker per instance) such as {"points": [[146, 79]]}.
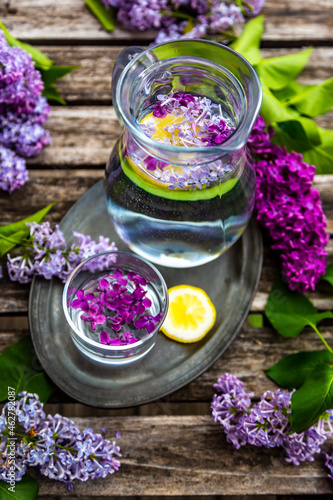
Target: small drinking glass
{"points": [[115, 303]]}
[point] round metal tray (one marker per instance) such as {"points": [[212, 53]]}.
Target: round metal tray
{"points": [[230, 281]]}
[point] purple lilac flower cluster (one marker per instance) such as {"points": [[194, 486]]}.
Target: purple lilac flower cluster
{"points": [[266, 423], [329, 458], [118, 301], [23, 111], [177, 19], [290, 209], [197, 122], [47, 254], [55, 444]]}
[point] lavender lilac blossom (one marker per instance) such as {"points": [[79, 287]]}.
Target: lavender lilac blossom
{"points": [[47, 254], [55, 444], [178, 19], [197, 122], [119, 301], [266, 423], [23, 111], [290, 208]]}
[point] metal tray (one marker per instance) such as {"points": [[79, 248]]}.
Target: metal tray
{"points": [[230, 281]]}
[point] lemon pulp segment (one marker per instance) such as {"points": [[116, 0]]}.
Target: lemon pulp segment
{"points": [[159, 125], [190, 316]]}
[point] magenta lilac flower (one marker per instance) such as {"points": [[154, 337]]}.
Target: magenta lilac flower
{"points": [[266, 423], [47, 254], [55, 444], [176, 19], [23, 111], [119, 302], [290, 208]]}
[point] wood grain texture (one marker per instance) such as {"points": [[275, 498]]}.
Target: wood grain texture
{"points": [[253, 351], [83, 136], [67, 186], [92, 81], [300, 20], [188, 455]]}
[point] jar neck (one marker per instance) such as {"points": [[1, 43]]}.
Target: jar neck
{"points": [[199, 68]]}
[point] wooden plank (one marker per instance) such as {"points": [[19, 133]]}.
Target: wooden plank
{"points": [[253, 351], [189, 455], [299, 20], [48, 186], [85, 135], [92, 81]]}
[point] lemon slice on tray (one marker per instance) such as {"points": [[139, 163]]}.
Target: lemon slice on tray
{"points": [[190, 316]]}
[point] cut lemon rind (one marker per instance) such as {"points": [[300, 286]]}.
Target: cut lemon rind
{"points": [[186, 327]]}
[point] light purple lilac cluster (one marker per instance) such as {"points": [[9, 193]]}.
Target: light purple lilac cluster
{"points": [[23, 111], [329, 459], [54, 444], [198, 122], [178, 19], [266, 423], [118, 301], [47, 254], [291, 210]]}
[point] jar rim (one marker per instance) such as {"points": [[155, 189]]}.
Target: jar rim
{"points": [[236, 141]]}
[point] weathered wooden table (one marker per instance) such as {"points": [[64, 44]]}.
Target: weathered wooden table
{"points": [[170, 447]]}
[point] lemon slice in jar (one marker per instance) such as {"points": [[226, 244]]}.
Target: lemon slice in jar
{"points": [[190, 316], [160, 125]]}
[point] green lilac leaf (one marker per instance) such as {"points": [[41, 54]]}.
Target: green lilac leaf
{"points": [[326, 136], [12, 235], [291, 134], [18, 363], [300, 134], [255, 320], [316, 100], [105, 16], [322, 157], [26, 489], [249, 42], [277, 72], [284, 95], [328, 276], [40, 384], [53, 74], [52, 94], [7, 243], [273, 111], [313, 398], [290, 372], [289, 312], [41, 60], [311, 129], [9, 229]]}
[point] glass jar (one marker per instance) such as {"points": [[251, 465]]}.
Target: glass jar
{"points": [[182, 206]]}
